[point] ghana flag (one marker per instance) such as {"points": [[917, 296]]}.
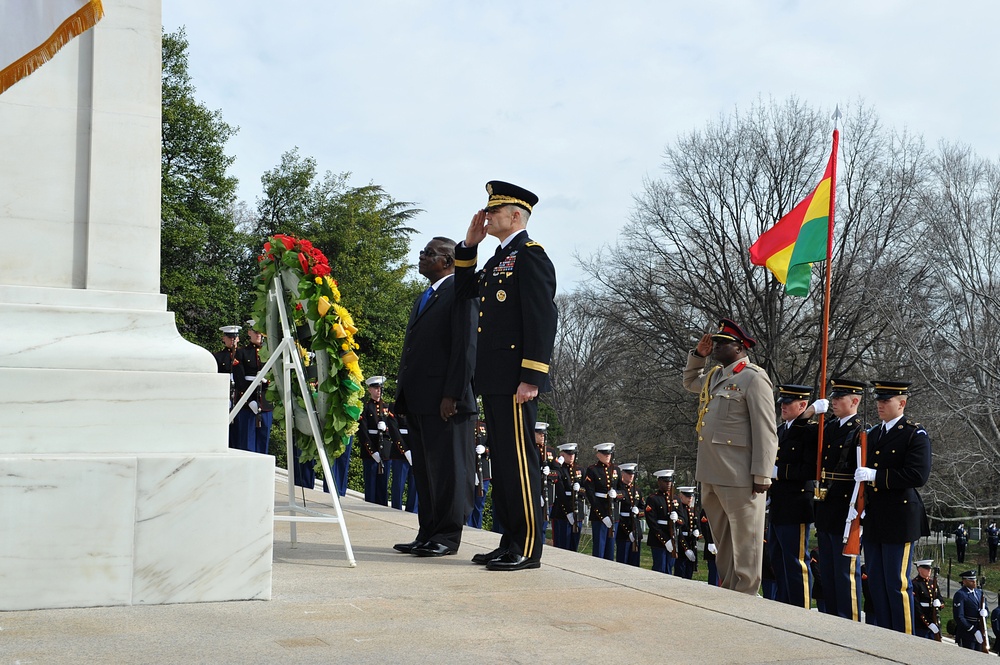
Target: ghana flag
{"points": [[789, 248]]}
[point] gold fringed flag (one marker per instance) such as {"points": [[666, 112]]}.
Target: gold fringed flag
{"points": [[800, 238], [33, 31]]}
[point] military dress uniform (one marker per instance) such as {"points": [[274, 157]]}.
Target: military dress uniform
{"points": [[686, 528], [737, 444], [708, 554], [483, 477], [225, 360], [567, 517], [961, 542], [517, 328], [660, 527], [926, 602], [992, 539], [402, 469], [840, 575], [791, 496], [628, 536], [894, 513], [970, 612], [254, 426], [380, 440], [600, 483]]}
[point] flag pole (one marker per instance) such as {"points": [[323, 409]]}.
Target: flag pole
{"points": [[824, 346]]}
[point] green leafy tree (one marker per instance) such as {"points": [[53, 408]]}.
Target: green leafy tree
{"points": [[200, 253]]}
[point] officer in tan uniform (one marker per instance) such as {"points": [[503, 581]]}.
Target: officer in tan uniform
{"points": [[737, 444]]}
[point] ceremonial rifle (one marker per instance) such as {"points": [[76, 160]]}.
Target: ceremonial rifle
{"points": [[852, 530], [936, 610], [984, 646]]}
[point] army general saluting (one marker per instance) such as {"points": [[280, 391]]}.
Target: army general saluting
{"points": [[737, 445], [517, 328]]}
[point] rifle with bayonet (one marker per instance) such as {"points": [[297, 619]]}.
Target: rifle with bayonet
{"points": [[936, 605], [984, 646]]}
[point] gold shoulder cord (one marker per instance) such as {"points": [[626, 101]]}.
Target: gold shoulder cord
{"points": [[704, 398]]}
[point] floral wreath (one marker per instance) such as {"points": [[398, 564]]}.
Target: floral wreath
{"points": [[337, 392]]}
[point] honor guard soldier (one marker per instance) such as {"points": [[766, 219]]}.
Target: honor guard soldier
{"points": [[659, 506], [567, 514], [992, 539], [898, 461], [517, 328], [840, 574], [225, 360], [927, 602], [628, 539], [961, 542], [546, 489], [483, 476], [600, 482], [254, 419], [970, 612], [402, 469], [686, 526], [791, 496], [378, 434], [710, 549]]}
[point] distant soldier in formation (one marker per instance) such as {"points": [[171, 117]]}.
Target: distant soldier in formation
{"points": [[225, 360], [254, 419], [659, 506], [483, 476], [546, 457], [840, 575], [992, 539], [927, 602], [898, 461], [378, 434], [628, 540], [961, 541], [970, 612], [710, 549], [686, 527], [600, 482], [566, 518], [791, 495], [403, 480]]}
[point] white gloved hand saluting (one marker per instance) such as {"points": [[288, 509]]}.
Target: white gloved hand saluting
{"points": [[607, 522], [864, 475], [821, 406]]}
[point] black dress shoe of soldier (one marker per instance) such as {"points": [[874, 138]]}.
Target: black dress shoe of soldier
{"points": [[485, 557], [433, 549], [406, 548], [511, 561]]}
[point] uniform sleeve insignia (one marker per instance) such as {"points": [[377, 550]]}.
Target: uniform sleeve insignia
{"points": [[740, 367], [533, 244]]}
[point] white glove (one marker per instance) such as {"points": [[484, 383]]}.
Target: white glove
{"points": [[937, 603], [934, 628], [569, 518], [690, 555], [607, 522], [712, 548], [253, 407], [697, 534], [631, 536], [670, 546], [864, 475], [477, 479], [774, 472], [983, 613], [409, 457], [576, 487], [381, 426], [635, 510], [480, 449], [545, 470], [377, 458], [561, 460], [821, 405], [673, 516], [979, 636], [852, 514], [612, 494]]}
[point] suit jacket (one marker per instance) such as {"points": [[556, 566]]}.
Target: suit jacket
{"points": [[894, 512], [791, 492], [517, 319], [737, 440], [439, 354], [840, 443]]}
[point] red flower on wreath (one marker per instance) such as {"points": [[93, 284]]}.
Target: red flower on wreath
{"points": [[304, 262]]}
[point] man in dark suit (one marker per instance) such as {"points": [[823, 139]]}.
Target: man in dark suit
{"points": [[517, 328], [897, 462], [434, 390]]}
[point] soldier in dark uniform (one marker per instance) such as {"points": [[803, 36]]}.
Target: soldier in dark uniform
{"points": [[547, 458], [840, 575], [254, 419], [600, 482], [402, 469], [791, 497], [961, 542], [377, 434], [628, 538], [517, 329], [686, 528], [659, 505], [970, 611], [225, 360], [710, 549], [483, 476], [566, 518], [898, 462], [927, 602], [992, 539]]}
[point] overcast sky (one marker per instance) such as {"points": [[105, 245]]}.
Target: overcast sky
{"points": [[572, 100]]}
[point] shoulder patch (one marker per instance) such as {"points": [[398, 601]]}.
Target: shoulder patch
{"points": [[533, 244]]}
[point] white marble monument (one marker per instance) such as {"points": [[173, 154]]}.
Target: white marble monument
{"points": [[116, 483]]}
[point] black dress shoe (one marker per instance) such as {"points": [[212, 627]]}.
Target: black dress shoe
{"points": [[485, 557], [433, 549], [406, 548], [511, 561]]}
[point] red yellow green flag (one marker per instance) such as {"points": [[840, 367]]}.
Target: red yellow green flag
{"points": [[789, 248]]}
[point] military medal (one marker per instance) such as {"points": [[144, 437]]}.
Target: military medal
{"points": [[501, 295]]}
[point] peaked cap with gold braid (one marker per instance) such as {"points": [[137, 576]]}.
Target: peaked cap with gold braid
{"points": [[504, 194]]}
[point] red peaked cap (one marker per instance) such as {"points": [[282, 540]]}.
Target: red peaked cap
{"points": [[729, 330]]}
